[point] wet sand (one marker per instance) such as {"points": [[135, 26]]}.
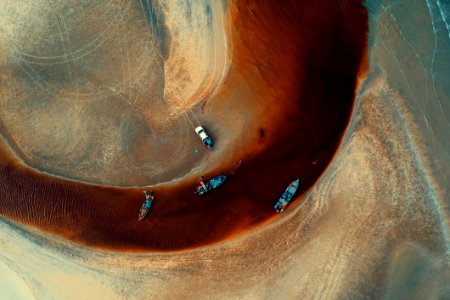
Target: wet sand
{"points": [[375, 225], [300, 62]]}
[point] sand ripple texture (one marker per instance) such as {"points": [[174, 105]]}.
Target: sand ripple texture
{"points": [[375, 225]]}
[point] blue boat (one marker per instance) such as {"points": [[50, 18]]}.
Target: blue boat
{"points": [[145, 207], [211, 184], [287, 196]]}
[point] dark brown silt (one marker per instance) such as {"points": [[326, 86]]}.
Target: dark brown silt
{"points": [[308, 54]]}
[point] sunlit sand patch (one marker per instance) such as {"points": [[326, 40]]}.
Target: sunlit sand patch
{"points": [[199, 56], [22, 22]]}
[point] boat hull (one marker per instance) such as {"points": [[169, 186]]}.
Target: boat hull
{"points": [[287, 196], [143, 211], [211, 184]]}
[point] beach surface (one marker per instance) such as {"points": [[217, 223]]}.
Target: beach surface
{"points": [[273, 92], [296, 90]]}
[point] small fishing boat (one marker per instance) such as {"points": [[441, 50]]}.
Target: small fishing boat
{"points": [[211, 184], [146, 205], [287, 196], [203, 135]]}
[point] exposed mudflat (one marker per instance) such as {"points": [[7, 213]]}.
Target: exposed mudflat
{"points": [[117, 106], [99, 99]]}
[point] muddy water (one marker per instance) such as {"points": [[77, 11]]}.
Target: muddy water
{"points": [[279, 114]]}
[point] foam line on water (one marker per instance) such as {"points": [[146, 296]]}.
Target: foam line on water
{"points": [[444, 16], [433, 57]]}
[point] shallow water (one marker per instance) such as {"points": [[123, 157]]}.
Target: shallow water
{"points": [[375, 225]]}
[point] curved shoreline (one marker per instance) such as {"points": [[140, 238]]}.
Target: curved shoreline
{"points": [[319, 89]]}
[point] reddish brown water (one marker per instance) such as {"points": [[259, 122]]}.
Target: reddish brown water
{"points": [[307, 54]]}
